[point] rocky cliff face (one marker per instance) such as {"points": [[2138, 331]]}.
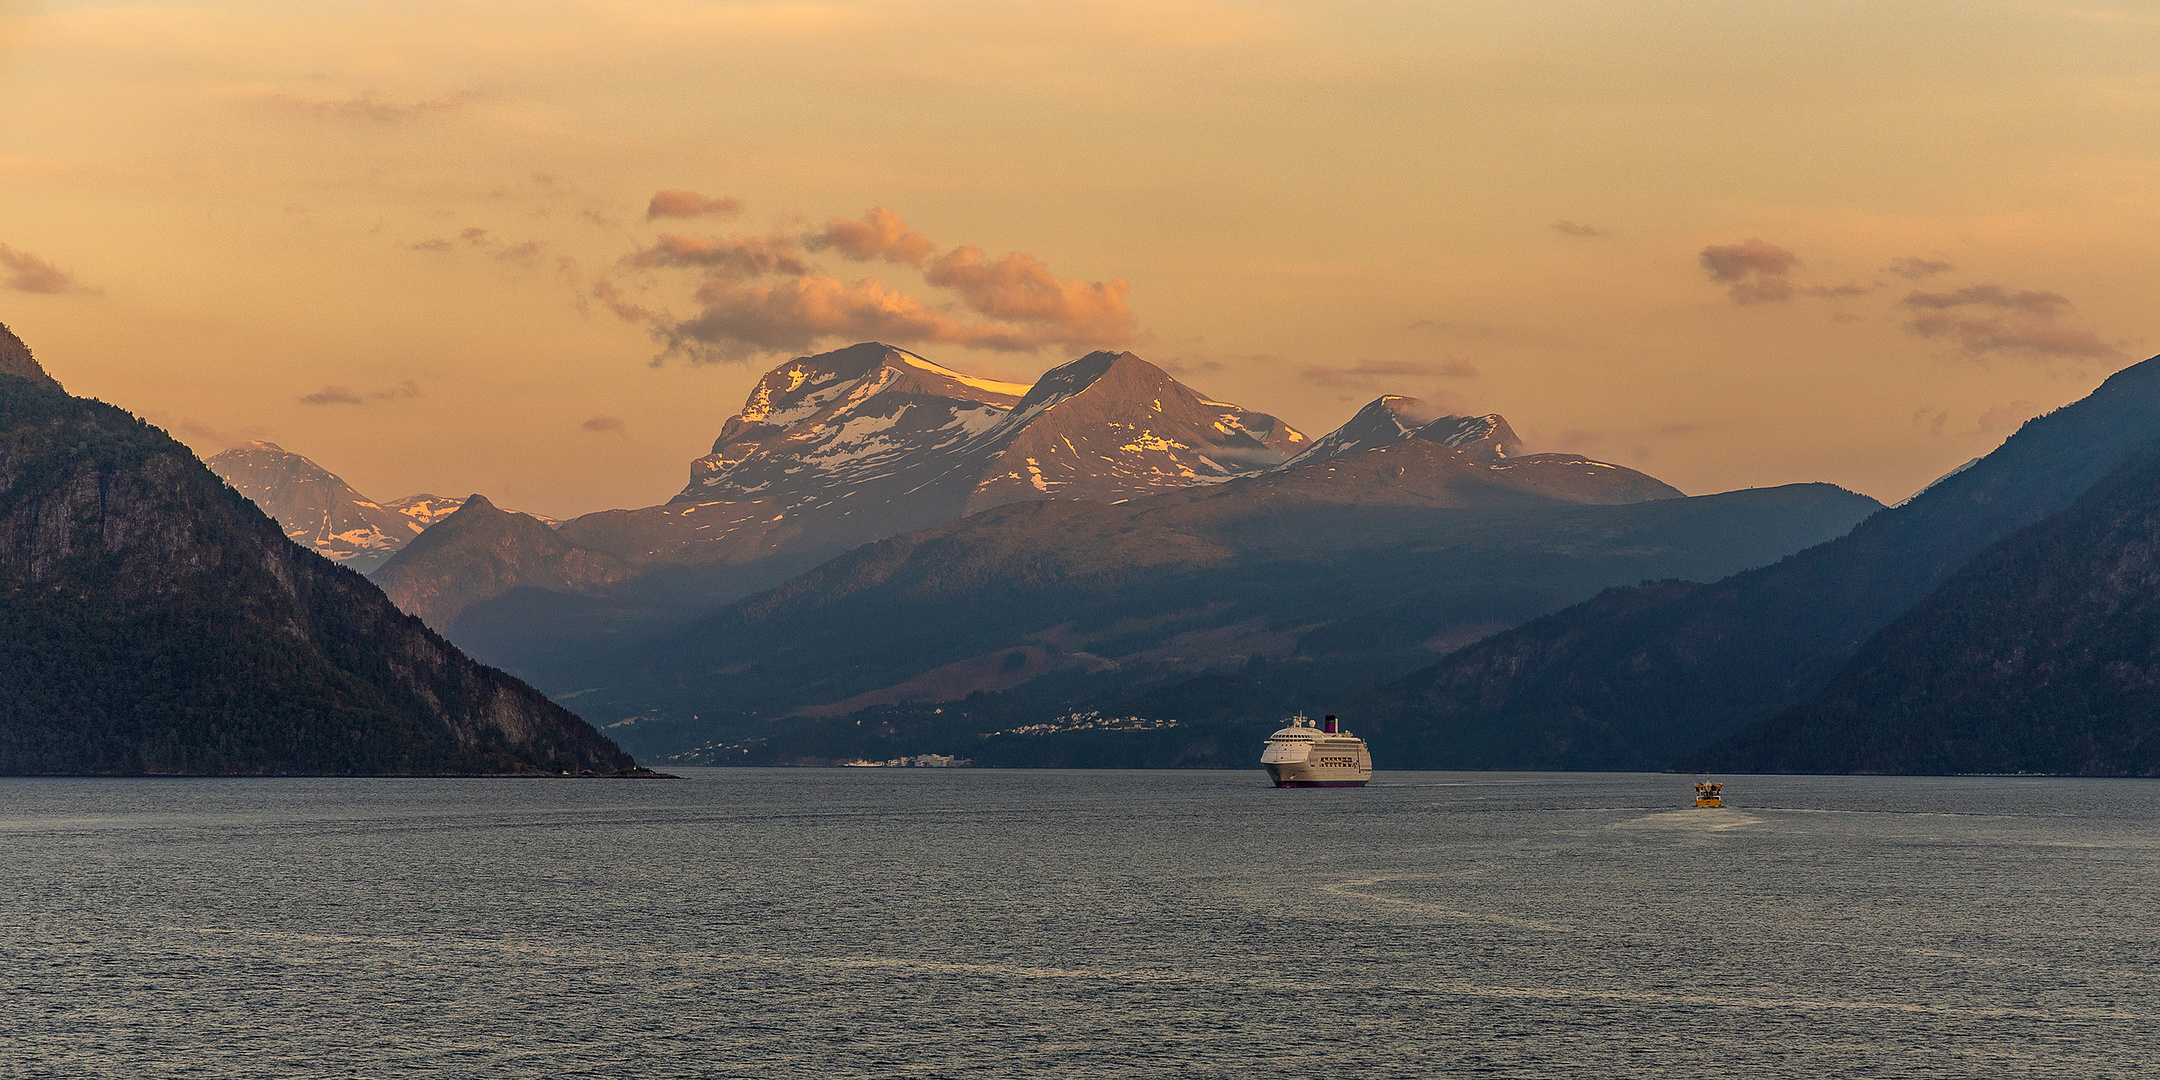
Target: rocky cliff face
{"points": [[153, 621]]}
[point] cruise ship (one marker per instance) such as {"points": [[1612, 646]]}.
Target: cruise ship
{"points": [[1303, 755]]}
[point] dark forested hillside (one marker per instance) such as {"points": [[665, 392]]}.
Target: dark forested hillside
{"points": [[1638, 677], [2041, 655], [154, 621]]}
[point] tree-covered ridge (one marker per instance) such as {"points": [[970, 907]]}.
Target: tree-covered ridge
{"points": [[153, 621], [2041, 655], [1639, 677]]}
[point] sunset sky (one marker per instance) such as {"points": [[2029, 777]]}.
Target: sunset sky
{"points": [[541, 250]]}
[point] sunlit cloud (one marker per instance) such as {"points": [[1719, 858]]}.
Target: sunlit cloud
{"points": [[1023, 305], [1020, 288], [878, 234]]}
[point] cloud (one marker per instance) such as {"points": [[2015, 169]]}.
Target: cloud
{"points": [[676, 203], [525, 254], [792, 316], [733, 256], [1572, 229], [1756, 270], [604, 425], [2043, 304], [1020, 288], [1984, 319], [607, 293], [28, 273], [1022, 304], [1994, 420], [1366, 373], [1737, 262], [1838, 292], [370, 106], [334, 394], [880, 234], [1914, 268]]}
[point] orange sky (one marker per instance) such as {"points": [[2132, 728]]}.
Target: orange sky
{"points": [[1727, 243]]}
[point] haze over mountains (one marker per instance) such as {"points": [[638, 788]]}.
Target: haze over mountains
{"points": [[320, 511]]}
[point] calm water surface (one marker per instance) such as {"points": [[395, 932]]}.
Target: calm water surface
{"points": [[844, 923]]}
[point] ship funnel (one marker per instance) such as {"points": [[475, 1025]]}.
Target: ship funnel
{"points": [[1330, 723]]}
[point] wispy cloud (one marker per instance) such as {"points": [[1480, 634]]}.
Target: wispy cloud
{"points": [[1571, 229], [28, 273], [1986, 319], [335, 394], [732, 256], [368, 106], [605, 425], [1914, 268], [1370, 376]]}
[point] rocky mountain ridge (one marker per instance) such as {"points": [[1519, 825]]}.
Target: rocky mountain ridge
{"points": [[844, 448]]}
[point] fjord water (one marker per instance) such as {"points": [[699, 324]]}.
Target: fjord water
{"points": [[887, 922]]}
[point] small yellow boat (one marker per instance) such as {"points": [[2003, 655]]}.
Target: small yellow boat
{"points": [[1712, 795]]}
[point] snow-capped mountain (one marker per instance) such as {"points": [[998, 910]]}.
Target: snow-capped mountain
{"points": [[1393, 418], [1488, 441], [838, 449], [1111, 426], [320, 511]]}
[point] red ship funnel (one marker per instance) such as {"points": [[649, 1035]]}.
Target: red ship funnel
{"points": [[1329, 725]]}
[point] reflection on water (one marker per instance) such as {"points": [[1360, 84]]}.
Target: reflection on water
{"points": [[954, 923]]}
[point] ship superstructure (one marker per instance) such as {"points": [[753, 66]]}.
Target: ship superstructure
{"points": [[1324, 755]]}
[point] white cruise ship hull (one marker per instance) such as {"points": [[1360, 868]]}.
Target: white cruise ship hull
{"points": [[1325, 767]]}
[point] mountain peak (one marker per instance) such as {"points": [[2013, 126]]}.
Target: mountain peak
{"points": [[318, 509], [1485, 437], [15, 359], [1386, 419]]}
